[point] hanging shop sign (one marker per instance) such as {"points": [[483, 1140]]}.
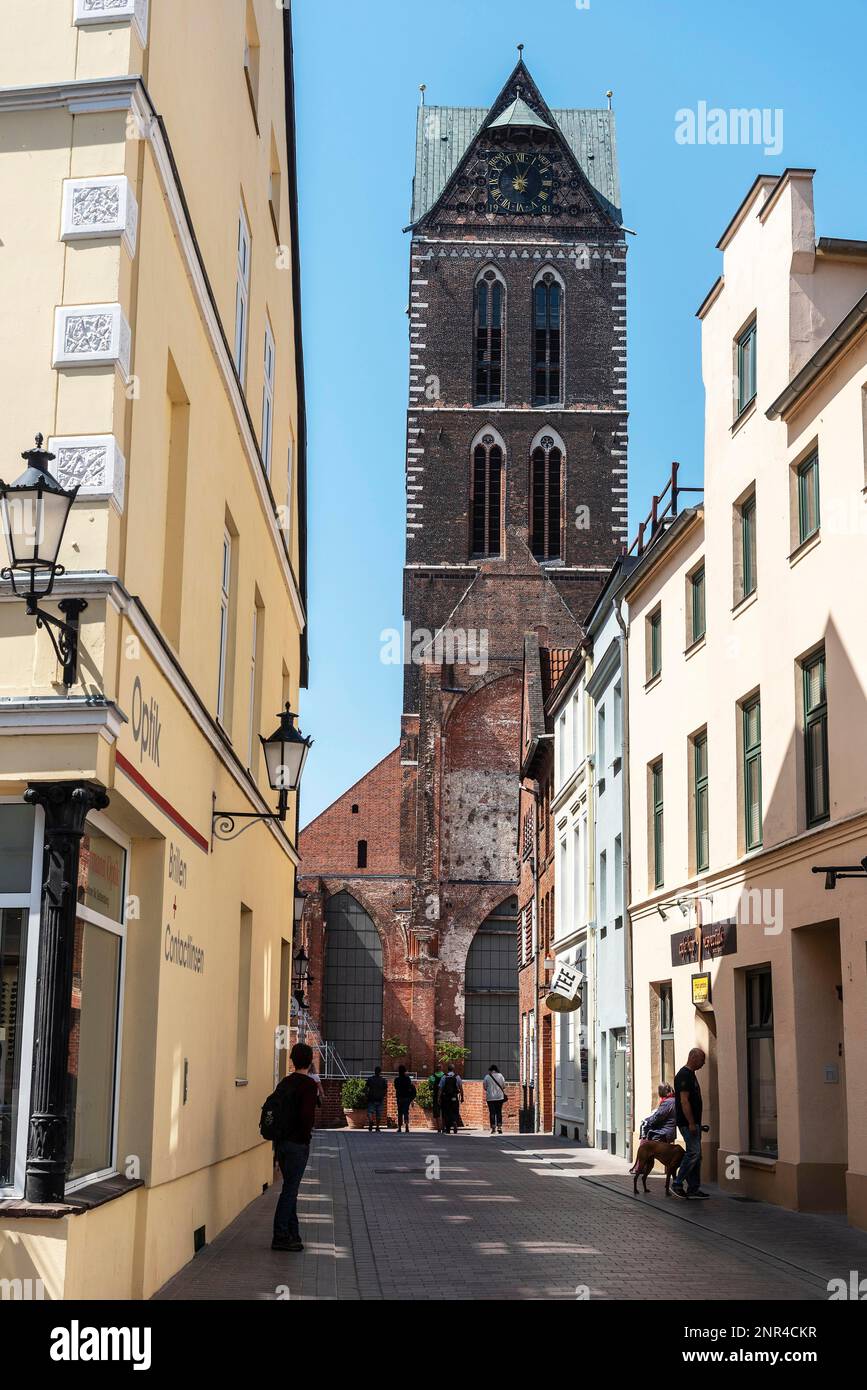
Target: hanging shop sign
{"points": [[565, 995]]}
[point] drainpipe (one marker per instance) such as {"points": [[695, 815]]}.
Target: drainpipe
{"points": [[627, 871]]}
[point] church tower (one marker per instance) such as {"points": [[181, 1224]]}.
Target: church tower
{"points": [[516, 508]]}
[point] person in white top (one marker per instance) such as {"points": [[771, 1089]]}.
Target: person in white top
{"points": [[495, 1094]]}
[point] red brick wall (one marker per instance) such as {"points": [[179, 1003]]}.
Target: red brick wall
{"points": [[329, 844]]}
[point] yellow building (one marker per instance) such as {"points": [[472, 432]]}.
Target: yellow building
{"points": [[151, 331]]}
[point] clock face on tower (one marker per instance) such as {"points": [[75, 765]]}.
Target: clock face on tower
{"points": [[520, 182]]}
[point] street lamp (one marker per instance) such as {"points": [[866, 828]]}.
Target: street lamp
{"points": [[34, 511], [834, 872], [285, 755], [300, 975], [300, 900]]}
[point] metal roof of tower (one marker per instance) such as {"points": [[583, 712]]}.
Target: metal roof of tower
{"points": [[520, 116]]}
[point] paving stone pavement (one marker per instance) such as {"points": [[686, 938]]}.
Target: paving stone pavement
{"points": [[419, 1216]]}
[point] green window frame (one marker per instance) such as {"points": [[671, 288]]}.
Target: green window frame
{"points": [[698, 606], [702, 806], [658, 826], [746, 367], [748, 546], [655, 625], [752, 736], [816, 739], [808, 498]]}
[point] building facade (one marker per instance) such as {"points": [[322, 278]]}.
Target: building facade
{"points": [[516, 505], [151, 331], [574, 942], [747, 677], [612, 955], [536, 892]]}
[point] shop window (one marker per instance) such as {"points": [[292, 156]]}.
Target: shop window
{"points": [[666, 1034], [761, 1063], [94, 1006]]}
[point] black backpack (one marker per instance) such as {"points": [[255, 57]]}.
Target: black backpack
{"points": [[273, 1121], [450, 1088]]}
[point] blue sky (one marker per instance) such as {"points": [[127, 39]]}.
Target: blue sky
{"points": [[358, 72]]}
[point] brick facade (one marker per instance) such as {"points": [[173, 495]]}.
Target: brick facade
{"points": [[440, 815]]}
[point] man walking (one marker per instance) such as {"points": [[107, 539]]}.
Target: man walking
{"points": [[435, 1079], [405, 1094], [294, 1103], [495, 1094], [451, 1095], [688, 1107], [377, 1087]]}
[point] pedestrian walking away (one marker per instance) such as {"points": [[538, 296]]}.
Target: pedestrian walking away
{"points": [[287, 1119], [495, 1094], [688, 1108], [451, 1095], [377, 1088], [435, 1079], [405, 1093]]}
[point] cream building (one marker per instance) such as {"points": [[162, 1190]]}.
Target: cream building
{"points": [[748, 759], [151, 331]]}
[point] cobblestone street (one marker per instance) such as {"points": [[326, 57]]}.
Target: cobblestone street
{"points": [[512, 1218]]}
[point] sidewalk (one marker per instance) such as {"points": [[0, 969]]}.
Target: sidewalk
{"points": [[423, 1217]]}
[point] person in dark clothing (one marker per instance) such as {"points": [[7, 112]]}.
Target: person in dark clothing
{"points": [[451, 1095], [688, 1108], [405, 1094], [377, 1087], [295, 1103], [435, 1078]]}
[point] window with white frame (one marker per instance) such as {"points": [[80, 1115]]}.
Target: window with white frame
{"points": [[225, 591], [577, 878], [268, 400], [242, 296], [577, 727], [562, 730], [562, 892]]}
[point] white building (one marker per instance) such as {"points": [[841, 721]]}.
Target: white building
{"points": [[572, 817]]}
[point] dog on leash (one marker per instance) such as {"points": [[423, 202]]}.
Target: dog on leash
{"points": [[652, 1151]]}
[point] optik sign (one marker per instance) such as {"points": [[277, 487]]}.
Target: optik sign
{"points": [[146, 725]]}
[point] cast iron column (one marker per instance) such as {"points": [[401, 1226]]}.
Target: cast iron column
{"points": [[66, 806]]}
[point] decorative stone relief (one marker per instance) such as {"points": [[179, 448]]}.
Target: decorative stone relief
{"points": [[91, 335], [100, 207], [93, 463], [109, 11]]}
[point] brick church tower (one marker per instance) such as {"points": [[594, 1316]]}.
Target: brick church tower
{"points": [[516, 507]]}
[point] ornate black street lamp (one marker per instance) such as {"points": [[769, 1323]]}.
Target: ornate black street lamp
{"points": [[66, 806], [34, 511], [300, 975], [285, 755]]}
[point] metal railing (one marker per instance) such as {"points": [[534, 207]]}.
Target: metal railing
{"points": [[662, 512]]}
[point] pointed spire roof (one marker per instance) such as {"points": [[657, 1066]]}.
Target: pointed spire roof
{"points": [[445, 134], [519, 116]]}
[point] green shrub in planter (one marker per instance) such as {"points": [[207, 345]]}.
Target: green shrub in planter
{"points": [[451, 1054], [353, 1093]]}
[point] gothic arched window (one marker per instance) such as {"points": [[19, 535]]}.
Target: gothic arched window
{"points": [[490, 312], [487, 494], [546, 493], [491, 990], [547, 335], [352, 995]]}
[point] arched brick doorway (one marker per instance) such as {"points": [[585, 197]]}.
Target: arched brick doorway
{"points": [[491, 991]]}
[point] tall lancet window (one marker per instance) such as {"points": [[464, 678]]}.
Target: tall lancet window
{"points": [[546, 498], [487, 496], [547, 336], [490, 313]]}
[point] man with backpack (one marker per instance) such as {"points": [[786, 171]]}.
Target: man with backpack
{"points": [[377, 1087], [451, 1095], [405, 1094], [287, 1120]]}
